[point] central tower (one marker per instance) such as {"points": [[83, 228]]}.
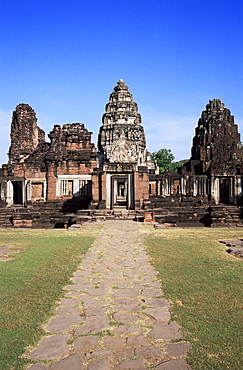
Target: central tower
{"points": [[121, 180], [121, 138]]}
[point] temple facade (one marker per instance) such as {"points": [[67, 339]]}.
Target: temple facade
{"points": [[68, 173]]}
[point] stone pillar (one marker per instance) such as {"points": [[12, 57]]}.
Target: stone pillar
{"points": [[9, 195], [216, 190], [51, 181], [28, 191], [212, 187], [95, 186], [141, 188]]}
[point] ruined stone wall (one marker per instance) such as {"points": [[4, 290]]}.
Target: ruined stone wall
{"points": [[25, 134]]}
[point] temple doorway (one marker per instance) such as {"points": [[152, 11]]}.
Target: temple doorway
{"points": [[120, 192], [224, 190], [17, 192]]}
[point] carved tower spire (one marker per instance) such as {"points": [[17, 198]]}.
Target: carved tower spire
{"points": [[121, 138]]}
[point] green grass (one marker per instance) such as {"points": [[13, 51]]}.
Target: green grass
{"points": [[204, 284], [31, 284]]}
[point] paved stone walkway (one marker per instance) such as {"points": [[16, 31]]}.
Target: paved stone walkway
{"points": [[114, 315]]}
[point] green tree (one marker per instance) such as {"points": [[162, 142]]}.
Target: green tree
{"points": [[165, 158]]}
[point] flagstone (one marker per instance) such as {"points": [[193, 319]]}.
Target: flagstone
{"points": [[113, 342], [152, 292], [150, 351], [126, 293], [177, 349], [163, 330], [102, 364], [95, 311], [69, 302], [124, 318], [159, 313], [125, 329], [138, 364], [87, 342], [74, 362], [156, 302], [93, 325], [62, 322], [178, 364], [68, 309], [138, 340], [53, 347]]}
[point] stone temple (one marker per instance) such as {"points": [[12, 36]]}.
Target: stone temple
{"points": [[67, 180]]}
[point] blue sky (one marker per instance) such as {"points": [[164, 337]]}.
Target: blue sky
{"points": [[64, 57]]}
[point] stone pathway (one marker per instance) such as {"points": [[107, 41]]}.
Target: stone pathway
{"points": [[114, 315]]}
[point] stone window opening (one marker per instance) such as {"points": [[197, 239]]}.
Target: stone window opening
{"points": [[84, 187]]}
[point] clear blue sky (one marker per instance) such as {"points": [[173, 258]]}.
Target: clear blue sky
{"points": [[63, 57]]}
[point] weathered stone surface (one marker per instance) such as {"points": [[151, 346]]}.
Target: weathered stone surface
{"points": [[125, 329], [99, 353], [151, 351], [69, 302], [131, 364], [93, 325], [95, 311], [62, 322], [128, 301], [126, 293], [87, 342], [138, 340], [152, 292], [53, 347], [124, 318], [156, 302], [164, 330], [37, 367], [103, 364], [77, 287], [159, 314], [127, 308], [73, 362], [96, 292], [68, 309], [179, 364], [124, 353], [113, 342], [177, 349]]}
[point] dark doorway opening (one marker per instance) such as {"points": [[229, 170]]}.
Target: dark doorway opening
{"points": [[224, 190], [17, 192]]}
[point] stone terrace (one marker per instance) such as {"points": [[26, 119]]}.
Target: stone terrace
{"points": [[114, 315]]}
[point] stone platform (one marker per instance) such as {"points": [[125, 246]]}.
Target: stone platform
{"points": [[113, 315]]}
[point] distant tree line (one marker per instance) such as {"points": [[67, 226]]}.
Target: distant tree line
{"points": [[165, 160]]}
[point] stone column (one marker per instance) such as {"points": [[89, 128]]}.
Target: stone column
{"points": [[51, 181]]}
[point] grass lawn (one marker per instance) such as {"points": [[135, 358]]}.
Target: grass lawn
{"points": [[31, 284], [204, 285]]}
